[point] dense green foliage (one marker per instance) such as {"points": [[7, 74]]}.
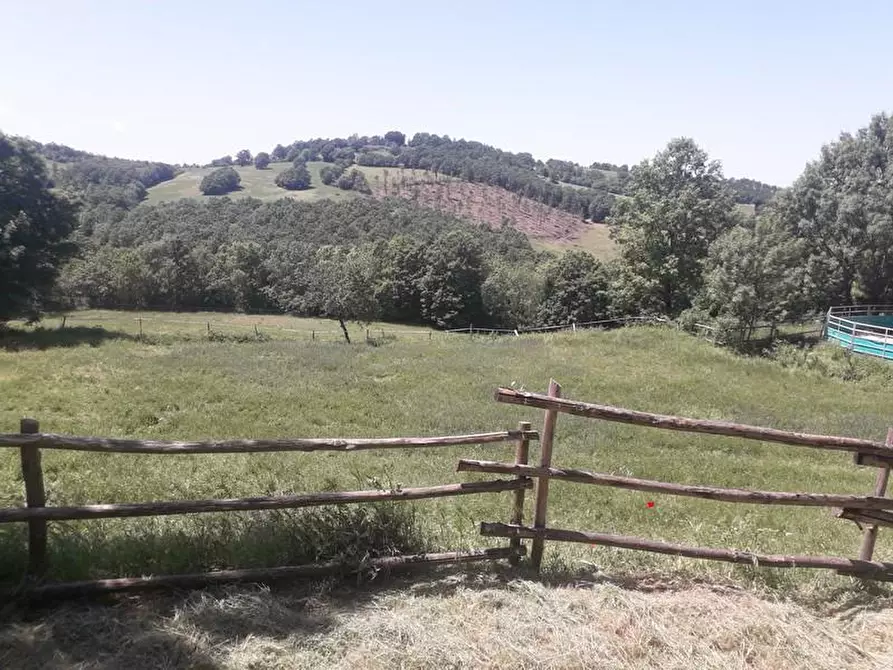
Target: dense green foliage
{"points": [[262, 160], [683, 248], [330, 174], [754, 274], [243, 158], [295, 178], [34, 228], [751, 192], [398, 262], [678, 205], [220, 182], [354, 181], [842, 208], [824, 241]]}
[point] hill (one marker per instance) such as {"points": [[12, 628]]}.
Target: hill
{"points": [[557, 204], [480, 203], [256, 183]]}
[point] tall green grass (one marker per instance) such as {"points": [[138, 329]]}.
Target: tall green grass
{"points": [[194, 388]]}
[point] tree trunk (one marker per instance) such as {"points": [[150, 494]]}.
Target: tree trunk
{"points": [[344, 330]]}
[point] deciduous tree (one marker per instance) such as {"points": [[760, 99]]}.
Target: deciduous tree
{"points": [[220, 182], [841, 205], [754, 275], [295, 178], [243, 158], [35, 226], [677, 205]]}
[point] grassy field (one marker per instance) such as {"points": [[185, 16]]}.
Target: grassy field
{"points": [[255, 183], [596, 239], [611, 608], [178, 384]]}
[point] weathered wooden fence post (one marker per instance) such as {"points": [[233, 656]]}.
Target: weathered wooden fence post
{"points": [[35, 496], [542, 482], [869, 535], [522, 452]]}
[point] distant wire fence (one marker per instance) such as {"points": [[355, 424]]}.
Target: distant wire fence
{"points": [[261, 328], [760, 333], [151, 326], [573, 326]]}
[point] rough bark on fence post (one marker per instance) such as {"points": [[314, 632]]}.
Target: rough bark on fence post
{"points": [[869, 535], [35, 496], [542, 483], [522, 451]]}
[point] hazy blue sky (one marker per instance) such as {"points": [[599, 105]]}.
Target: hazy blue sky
{"points": [[760, 85]]}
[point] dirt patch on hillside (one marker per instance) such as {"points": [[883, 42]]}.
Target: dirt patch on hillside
{"points": [[455, 621], [486, 204]]}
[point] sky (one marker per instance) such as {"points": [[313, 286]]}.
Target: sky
{"points": [[760, 85]]}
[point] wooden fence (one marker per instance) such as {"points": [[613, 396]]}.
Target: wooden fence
{"points": [[30, 441], [875, 510]]}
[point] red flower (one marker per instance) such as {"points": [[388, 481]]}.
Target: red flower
{"points": [[650, 503]]}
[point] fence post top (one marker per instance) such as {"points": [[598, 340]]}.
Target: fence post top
{"points": [[29, 425]]}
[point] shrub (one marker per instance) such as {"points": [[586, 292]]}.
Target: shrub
{"points": [[354, 181], [262, 160], [220, 182], [295, 178]]}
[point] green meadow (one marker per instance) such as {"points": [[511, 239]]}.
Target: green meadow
{"points": [[97, 377]]}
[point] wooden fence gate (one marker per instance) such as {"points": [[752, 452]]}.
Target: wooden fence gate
{"points": [[873, 511]]}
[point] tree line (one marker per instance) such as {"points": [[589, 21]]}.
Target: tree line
{"points": [[684, 249], [357, 260], [826, 240]]}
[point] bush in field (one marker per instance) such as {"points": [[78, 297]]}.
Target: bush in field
{"points": [[354, 181], [220, 181], [295, 178]]}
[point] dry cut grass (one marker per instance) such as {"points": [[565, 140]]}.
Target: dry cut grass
{"points": [[458, 621]]}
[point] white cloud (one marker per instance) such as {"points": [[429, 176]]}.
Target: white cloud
{"points": [[119, 127]]}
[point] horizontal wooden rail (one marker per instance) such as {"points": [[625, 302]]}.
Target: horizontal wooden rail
{"points": [[165, 508], [706, 492], [390, 563], [114, 445], [668, 422], [873, 569], [871, 517]]}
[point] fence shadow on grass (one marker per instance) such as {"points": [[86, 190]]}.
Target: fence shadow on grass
{"points": [[177, 628], [18, 339], [194, 629], [111, 548]]}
